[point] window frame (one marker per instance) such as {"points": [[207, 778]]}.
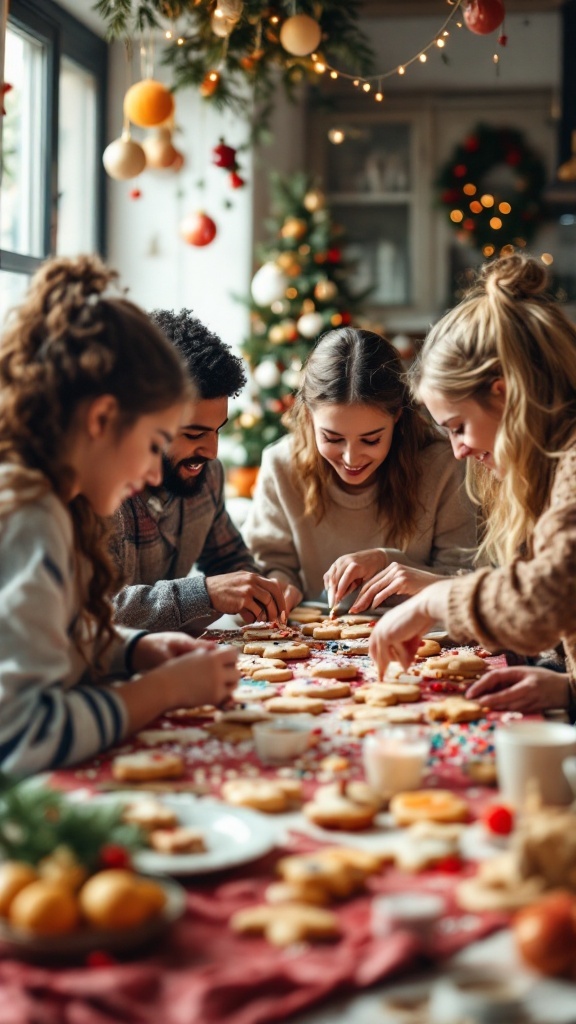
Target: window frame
{"points": [[63, 36]]}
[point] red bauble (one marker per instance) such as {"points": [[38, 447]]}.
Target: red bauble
{"points": [[483, 16], [334, 255], [224, 156], [198, 229], [135, 193], [114, 856], [472, 144], [236, 181]]}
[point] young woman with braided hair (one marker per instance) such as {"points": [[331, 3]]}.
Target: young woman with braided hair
{"points": [[90, 394], [498, 372]]}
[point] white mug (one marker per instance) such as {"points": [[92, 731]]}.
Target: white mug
{"points": [[529, 758]]}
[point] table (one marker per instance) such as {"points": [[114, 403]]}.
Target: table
{"points": [[204, 975]]}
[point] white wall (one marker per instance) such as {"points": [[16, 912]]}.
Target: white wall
{"points": [[159, 268], [162, 271]]}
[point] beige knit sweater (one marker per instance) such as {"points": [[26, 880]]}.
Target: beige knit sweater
{"points": [[291, 546], [531, 604]]}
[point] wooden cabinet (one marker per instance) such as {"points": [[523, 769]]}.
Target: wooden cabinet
{"points": [[380, 185]]}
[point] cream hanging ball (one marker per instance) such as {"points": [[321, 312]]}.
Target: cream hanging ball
{"points": [[300, 35]]}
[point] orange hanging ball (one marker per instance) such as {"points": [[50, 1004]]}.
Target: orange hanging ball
{"points": [[148, 103]]}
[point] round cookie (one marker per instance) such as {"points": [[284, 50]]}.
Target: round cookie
{"points": [[268, 795], [327, 631], [146, 765], [330, 670], [273, 675], [356, 632], [327, 689], [257, 690], [348, 807], [286, 651], [295, 705], [428, 648], [428, 805]]}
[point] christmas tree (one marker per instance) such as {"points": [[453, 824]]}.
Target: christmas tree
{"points": [[299, 292]]}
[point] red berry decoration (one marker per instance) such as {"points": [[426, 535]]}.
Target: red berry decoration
{"points": [[114, 856], [498, 818], [135, 193], [503, 39], [483, 16], [99, 958], [198, 229], [236, 181], [224, 156]]}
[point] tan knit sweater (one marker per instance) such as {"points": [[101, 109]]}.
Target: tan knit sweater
{"points": [[531, 604], [291, 546]]}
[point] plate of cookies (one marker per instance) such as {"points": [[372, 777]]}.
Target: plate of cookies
{"points": [[187, 835]]}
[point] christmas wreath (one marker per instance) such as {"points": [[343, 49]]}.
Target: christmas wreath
{"points": [[492, 187]]}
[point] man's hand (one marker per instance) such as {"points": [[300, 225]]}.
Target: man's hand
{"points": [[154, 649], [247, 594]]}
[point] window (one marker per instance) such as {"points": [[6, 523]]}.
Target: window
{"points": [[52, 186]]}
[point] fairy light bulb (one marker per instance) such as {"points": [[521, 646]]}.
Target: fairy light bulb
{"points": [[422, 58], [379, 96], [366, 86], [336, 136], [401, 70]]}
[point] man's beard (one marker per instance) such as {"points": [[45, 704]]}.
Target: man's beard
{"points": [[173, 482]]}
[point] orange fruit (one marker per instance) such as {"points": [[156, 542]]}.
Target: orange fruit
{"points": [[45, 908], [117, 899], [148, 103], [14, 876]]}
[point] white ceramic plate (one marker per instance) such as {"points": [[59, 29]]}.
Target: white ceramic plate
{"points": [[78, 944], [233, 835]]}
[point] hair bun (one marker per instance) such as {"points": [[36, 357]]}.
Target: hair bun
{"points": [[520, 277]]}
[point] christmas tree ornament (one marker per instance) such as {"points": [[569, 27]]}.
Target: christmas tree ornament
{"points": [[230, 9], [224, 156], [325, 290], [314, 200], [290, 330], [148, 103], [300, 35], [221, 25], [209, 83], [276, 335], [483, 16], [294, 228], [177, 163], [292, 378], [267, 375], [268, 284], [135, 193], [160, 153], [404, 346], [235, 180], [124, 158], [198, 229], [310, 324], [5, 88]]}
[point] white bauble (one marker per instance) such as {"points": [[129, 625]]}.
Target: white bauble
{"points": [[160, 153], [300, 35], [231, 8], [221, 26], [268, 284], [404, 346], [124, 158], [310, 324], [266, 374], [292, 379]]}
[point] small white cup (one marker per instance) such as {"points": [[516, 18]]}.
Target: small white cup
{"points": [[280, 740], [394, 758], [530, 756]]}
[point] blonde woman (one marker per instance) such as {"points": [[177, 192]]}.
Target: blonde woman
{"points": [[363, 492], [498, 373]]}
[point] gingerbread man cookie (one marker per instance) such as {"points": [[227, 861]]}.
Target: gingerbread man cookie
{"points": [[286, 924]]}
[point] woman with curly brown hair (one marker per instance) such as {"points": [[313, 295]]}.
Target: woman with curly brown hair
{"points": [[498, 372], [90, 394], [363, 472]]}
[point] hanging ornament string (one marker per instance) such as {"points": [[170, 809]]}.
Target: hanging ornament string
{"points": [[366, 81]]}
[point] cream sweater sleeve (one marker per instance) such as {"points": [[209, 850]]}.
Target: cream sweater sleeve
{"points": [[268, 530]]}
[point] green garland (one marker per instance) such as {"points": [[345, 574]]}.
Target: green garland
{"points": [[251, 62], [517, 204]]}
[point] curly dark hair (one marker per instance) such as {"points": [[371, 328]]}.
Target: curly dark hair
{"points": [[212, 365]]}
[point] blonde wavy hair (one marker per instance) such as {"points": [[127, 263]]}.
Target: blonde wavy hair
{"points": [[508, 328], [349, 366], [65, 344]]}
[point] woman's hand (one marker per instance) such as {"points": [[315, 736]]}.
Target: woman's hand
{"points": [[521, 688], [153, 649], [349, 571], [395, 579], [396, 636]]}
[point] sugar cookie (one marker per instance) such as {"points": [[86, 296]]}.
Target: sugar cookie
{"points": [[177, 840], [455, 709], [427, 648], [286, 651], [147, 764], [295, 705], [344, 806], [273, 675], [271, 796], [454, 666], [428, 805], [286, 924], [330, 670], [328, 689]]}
